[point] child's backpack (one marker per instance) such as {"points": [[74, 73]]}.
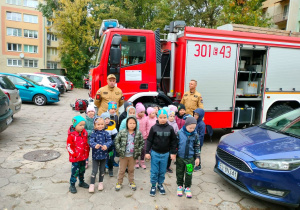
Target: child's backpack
{"points": [[81, 105]]}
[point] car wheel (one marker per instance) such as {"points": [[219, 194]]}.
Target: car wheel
{"points": [[278, 110], [39, 100]]}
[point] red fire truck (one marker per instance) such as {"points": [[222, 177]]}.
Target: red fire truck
{"points": [[244, 78]]}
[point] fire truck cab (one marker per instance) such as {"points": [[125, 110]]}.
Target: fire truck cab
{"points": [[243, 77]]}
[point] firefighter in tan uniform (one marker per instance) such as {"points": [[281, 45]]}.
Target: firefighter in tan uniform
{"points": [[108, 93], [192, 99]]}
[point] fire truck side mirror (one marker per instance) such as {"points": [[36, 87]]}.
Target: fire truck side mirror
{"points": [[115, 51]]}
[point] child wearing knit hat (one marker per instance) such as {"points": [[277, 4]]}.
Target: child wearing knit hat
{"points": [[180, 116], [78, 148], [161, 141], [89, 124], [188, 155], [142, 119], [151, 119], [112, 110]]}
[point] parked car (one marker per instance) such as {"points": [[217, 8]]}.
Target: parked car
{"points": [[66, 81], [61, 86], [264, 161], [42, 79], [86, 83], [32, 91], [5, 112], [12, 93]]}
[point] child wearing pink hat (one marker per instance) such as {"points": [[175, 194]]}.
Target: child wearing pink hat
{"points": [[142, 119], [151, 119]]}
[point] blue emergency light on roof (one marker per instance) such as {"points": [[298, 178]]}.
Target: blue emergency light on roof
{"points": [[106, 24]]}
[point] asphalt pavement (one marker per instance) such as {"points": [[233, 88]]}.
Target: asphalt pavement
{"points": [[28, 184]]}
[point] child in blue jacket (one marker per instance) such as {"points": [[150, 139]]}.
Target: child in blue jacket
{"points": [[188, 155], [200, 129], [100, 141]]}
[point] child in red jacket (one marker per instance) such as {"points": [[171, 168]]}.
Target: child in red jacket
{"points": [[78, 148]]}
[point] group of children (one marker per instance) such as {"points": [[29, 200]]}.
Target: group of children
{"points": [[162, 135]]}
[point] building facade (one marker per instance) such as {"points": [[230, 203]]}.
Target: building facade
{"points": [[285, 14], [25, 45]]}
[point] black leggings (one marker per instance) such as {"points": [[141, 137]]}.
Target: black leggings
{"points": [[101, 165]]}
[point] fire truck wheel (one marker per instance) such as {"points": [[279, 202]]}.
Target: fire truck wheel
{"points": [[278, 110]]}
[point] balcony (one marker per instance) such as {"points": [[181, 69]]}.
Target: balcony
{"points": [[280, 17]]}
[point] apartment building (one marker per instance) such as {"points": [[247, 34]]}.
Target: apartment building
{"points": [[26, 45], [285, 14]]}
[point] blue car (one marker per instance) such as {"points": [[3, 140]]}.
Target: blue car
{"points": [[264, 161], [32, 91]]}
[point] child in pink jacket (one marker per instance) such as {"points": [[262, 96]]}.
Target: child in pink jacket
{"points": [[151, 119], [142, 118]]}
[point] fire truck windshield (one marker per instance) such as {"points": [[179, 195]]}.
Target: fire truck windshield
{"points": [[102, 41]]}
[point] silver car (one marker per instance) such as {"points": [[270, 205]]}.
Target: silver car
{"points": [[66, 81], [12, 92]]}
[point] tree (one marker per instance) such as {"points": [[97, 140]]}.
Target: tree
{"points": [[74, 28], [247, 12]]}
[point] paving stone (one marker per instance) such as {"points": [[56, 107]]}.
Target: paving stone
{"points": [[21, 178], [2, 160], [31, 142], [44, 173], [211, 178], [8, 202], [225, 205], [13, 189], [232, 195], [249, 203], [6, 173], [3, 182], [11, 164], [209, 198], [10, 148], [209, 187]]}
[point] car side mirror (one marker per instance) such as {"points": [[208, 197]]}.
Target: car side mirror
{"points": [[26, 85]]}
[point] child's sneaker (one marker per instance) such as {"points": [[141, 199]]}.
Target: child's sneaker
{"points": [[100, 186], [111, 173], [137, 165], [118, 187], [169, 170], [92, 188], [179, 191], [83, 184], [188, 192], [161, 189], [197, 168], [153, 191], [72, 189], [116, 164], [143, 164], [132, 186]]}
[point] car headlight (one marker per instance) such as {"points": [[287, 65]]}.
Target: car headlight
{"points": [[279, 164], [50, 91]]}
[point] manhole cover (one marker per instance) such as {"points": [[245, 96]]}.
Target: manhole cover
{"points": [[41, 155]]}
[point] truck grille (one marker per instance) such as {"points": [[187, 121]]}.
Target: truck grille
{"points": [[233, 161]]}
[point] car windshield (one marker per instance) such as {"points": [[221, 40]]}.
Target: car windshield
{"points": [[288, 124], [30, 80], [5, 83]]}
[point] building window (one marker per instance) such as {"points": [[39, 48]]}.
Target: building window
{"points": [[51, 37], [30, 63], [15, 2], [30, 48], [51, 65], [13, 32], [30, 18], [14, 62], [52, 51], [13, 16], [49, 23], [30, 3], [30, 34], [14, 47]]}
